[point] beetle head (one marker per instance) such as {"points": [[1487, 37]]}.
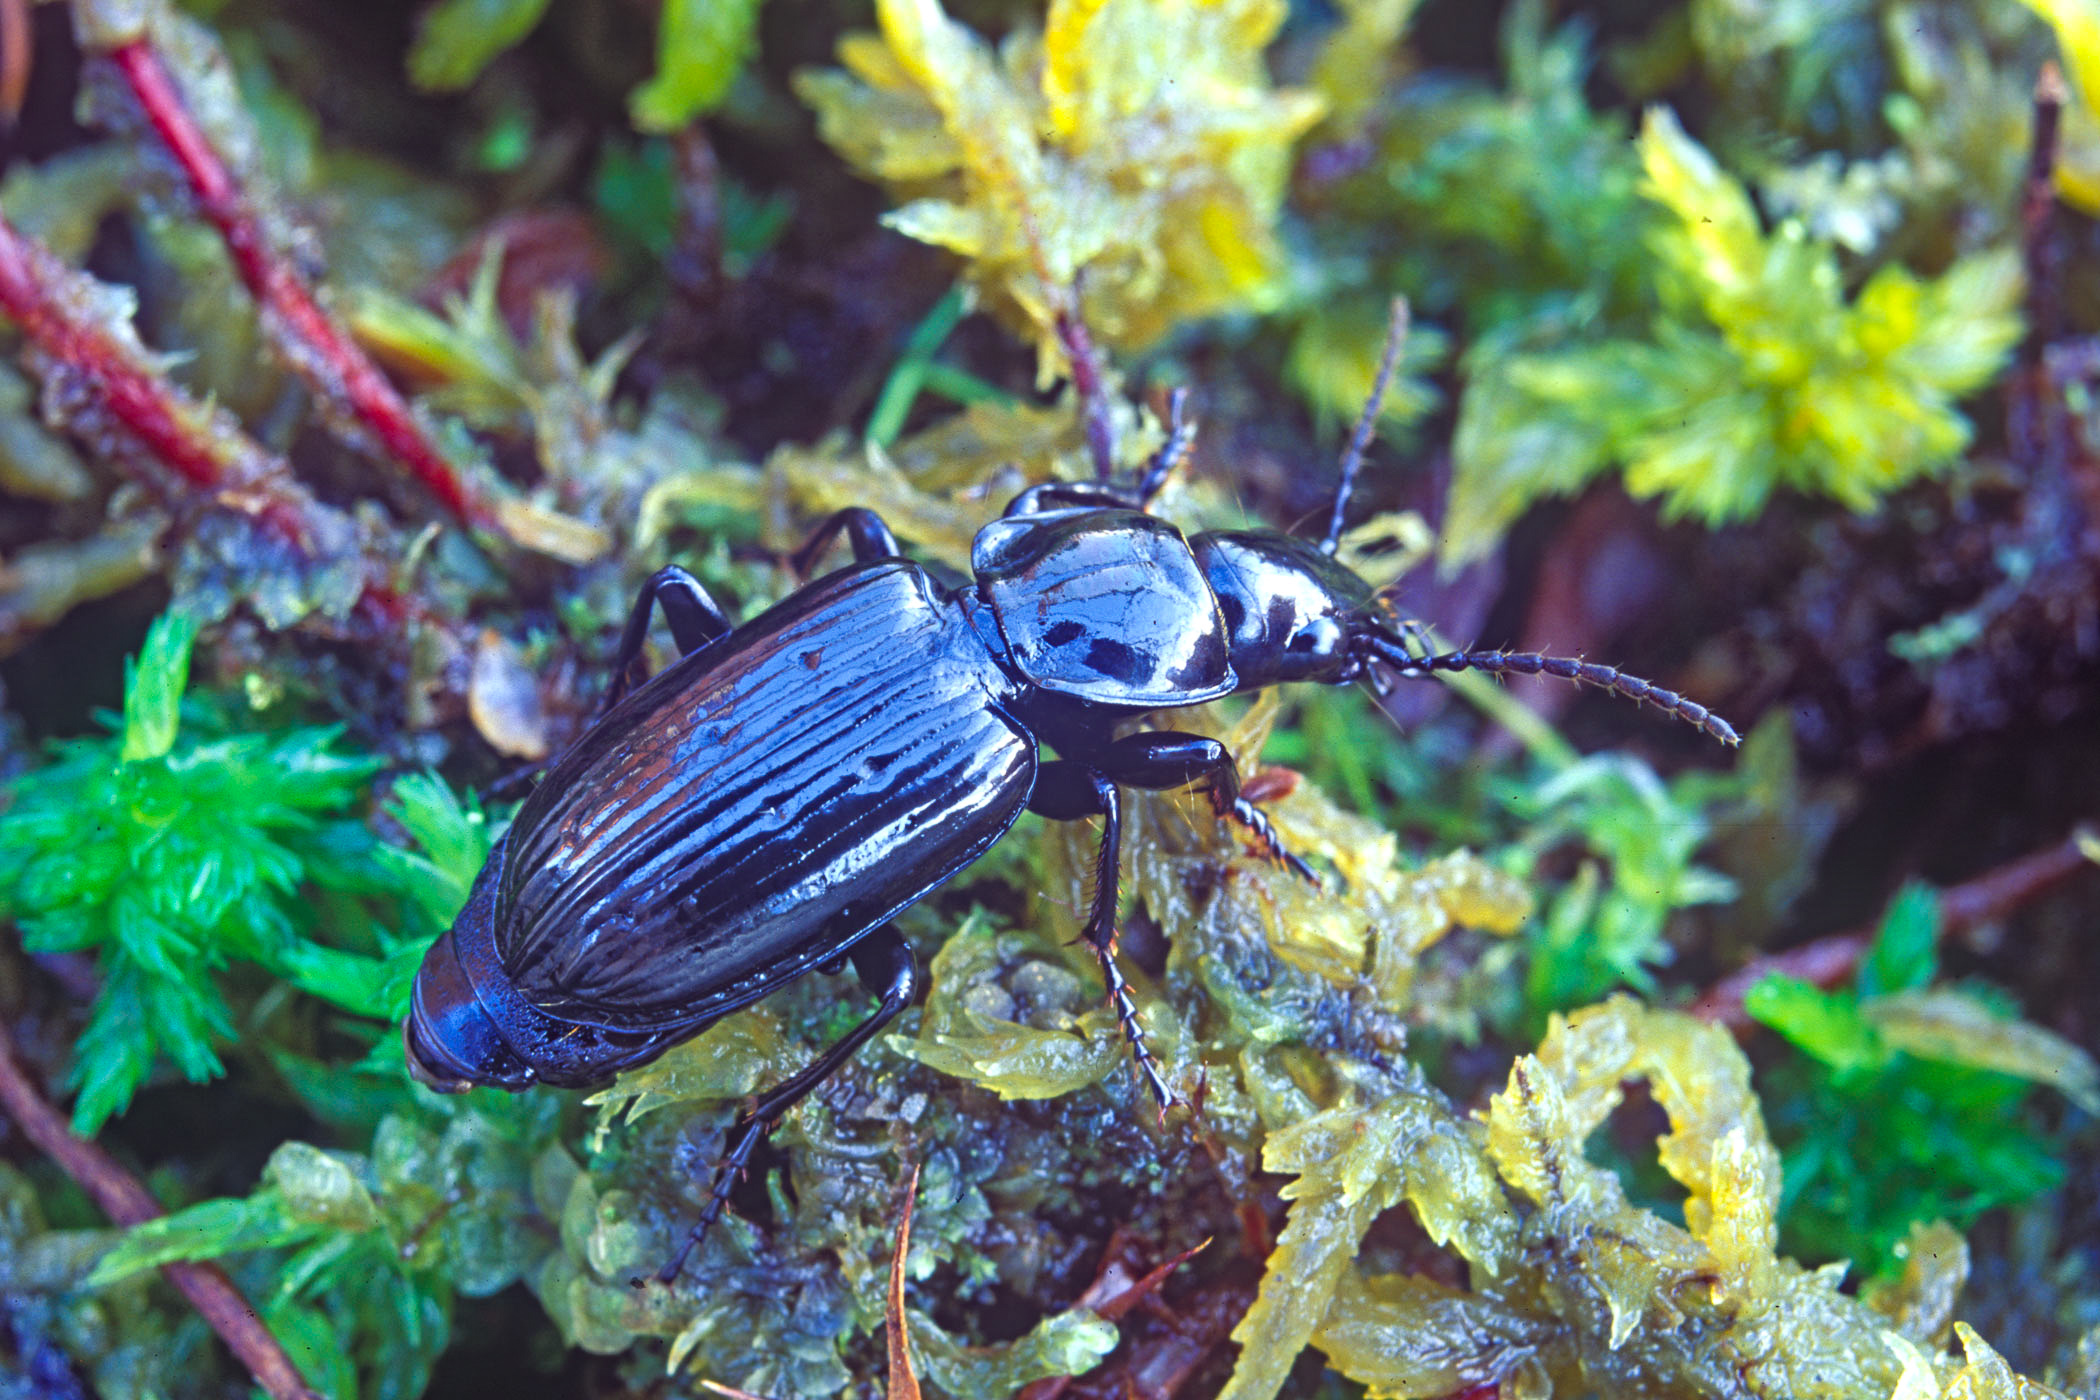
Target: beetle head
{"points": [[1291, 612]]}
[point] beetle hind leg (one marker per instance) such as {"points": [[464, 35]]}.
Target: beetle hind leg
{"points": [[884, 963]]}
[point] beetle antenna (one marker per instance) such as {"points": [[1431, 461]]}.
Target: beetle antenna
{"points": [[1366, 423], [1181, 436], [1395, 653]]}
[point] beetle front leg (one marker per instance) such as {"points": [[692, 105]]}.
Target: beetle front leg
{"points": [[1066, 495], [1107, 495], [695, 617], [1067, 791], [1158, 760], [884, 963]]}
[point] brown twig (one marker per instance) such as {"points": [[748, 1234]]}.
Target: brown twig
{"points": [[1826, 962], [2039, 246], [903, 1382], [313, 341], [122, 1198], [2037, 427]]}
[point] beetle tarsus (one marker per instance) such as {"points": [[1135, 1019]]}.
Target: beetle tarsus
{"points": [[1100, 934], [1256, 821], [1106, 494], [1181, 437], [1127, 1019]]}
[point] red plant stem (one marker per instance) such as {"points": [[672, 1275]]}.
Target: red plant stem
{"points": [[16, 42], [45, 299], [33, 287], [1828, 961], [321, 351], [1824, 962], [125, 1200]]}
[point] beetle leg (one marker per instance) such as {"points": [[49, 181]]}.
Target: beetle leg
{"points": [[1058, 495], [1067, 791], [884, 963], [1100, 932], [865, 531], [695, 617], [1157, 760], [1107, 495]]}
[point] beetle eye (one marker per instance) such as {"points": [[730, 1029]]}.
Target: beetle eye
{"points": [[1317, 637]]}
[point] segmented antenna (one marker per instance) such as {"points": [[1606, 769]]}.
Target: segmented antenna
{"points": [[1181, 436], [1366, 424], [1393, 652]]}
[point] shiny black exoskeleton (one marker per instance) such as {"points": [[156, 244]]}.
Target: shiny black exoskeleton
{"points": [[767, 804]]}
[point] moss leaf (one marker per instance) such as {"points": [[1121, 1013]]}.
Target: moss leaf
{"points": [[456, 39], [701, 45], [1946, 1024], [1137, 141]]}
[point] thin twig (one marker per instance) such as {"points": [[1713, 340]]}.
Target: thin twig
{"points": [[903, 1382], [2039, 246], [17, 41], [2037, 427], [1826, 962], [102, 377], [318, 348], [125, 1200], [57, 308]]}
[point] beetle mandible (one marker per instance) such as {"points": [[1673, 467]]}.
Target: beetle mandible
{"points": [[767, 804]]}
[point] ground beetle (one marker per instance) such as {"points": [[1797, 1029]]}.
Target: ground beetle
{"points": [[767, 804]]}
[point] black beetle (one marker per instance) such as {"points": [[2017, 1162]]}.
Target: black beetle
{"points": [[768, 803]]}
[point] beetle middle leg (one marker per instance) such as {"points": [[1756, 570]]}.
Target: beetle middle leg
{"points": [[1157, 760], [695, 617], [885, 966], [1067, 791], [867, 533]]}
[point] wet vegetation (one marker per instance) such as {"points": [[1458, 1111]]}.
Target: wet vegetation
{"points": [[363, 360]]}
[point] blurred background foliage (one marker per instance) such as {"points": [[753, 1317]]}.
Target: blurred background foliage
{"points": [[1752, 348]]}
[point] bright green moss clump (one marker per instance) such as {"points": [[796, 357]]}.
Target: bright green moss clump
{"points": [[169, 850]]}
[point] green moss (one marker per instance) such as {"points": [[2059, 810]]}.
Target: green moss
{"points": [[1794, 288]]}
